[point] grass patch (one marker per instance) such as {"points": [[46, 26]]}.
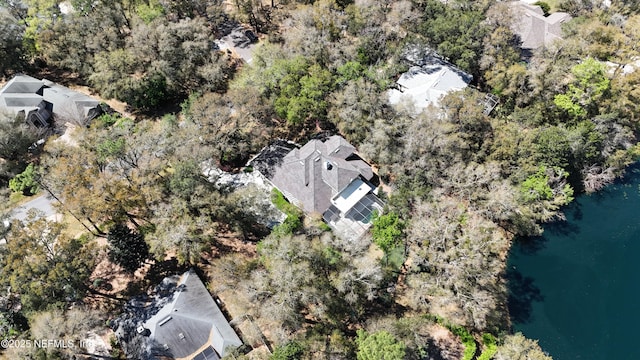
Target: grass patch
{"points": [[395, 257], [554, 5], [490, 347], [73, 227], [293, 221]]}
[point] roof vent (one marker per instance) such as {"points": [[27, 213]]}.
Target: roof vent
{"points": [[181, 336], [165, 320], [327, 165]]}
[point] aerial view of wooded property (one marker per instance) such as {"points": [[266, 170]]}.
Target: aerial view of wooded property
{"points": [[295, 179]]}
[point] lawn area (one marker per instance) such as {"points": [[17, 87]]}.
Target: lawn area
{"points": [[395, 258], [17, 199]]}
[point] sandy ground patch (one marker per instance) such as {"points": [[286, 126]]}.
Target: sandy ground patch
{"points": [[448, 344]]}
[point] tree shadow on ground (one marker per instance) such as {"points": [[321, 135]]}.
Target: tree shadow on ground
{"points": [[156, 273], [522, 293]]}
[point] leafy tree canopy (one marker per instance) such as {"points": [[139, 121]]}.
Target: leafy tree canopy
{"points": [[127, 248], [387, 231], [379, 346]]}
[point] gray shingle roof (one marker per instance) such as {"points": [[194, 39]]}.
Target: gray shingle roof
{"points": [[312, 175], [536, 30], [190, 320], [24, 94], [22, 84]]}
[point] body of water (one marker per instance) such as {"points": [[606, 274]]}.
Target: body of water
{"points": [[577, 288]]}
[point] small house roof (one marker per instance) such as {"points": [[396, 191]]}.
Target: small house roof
{"points": [[427, 83], [536, 30], [190, 320], [24, 93]]}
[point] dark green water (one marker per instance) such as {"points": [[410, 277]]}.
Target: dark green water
{"points": [[577, 288]]}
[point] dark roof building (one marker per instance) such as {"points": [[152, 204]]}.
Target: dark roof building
{"points": [[327, 178], [312, 175], [37, 100], [182, 322]]}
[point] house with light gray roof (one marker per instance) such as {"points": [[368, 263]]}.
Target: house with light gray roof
{"points": [[534, 28], [38, 101], [427, 81], [328, 178]]}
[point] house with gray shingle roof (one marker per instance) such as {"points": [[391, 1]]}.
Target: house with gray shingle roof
{"points": [[327, 178], [40, 100], [536, 30], [182, 321]]}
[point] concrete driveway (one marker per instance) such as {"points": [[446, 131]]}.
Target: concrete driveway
{"points": [[42, 203], [235, 39]]}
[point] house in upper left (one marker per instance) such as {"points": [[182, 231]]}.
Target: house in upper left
{"points": [[41, 101]]}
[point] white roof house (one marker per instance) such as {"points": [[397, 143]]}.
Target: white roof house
{"points": [[426, 84]]}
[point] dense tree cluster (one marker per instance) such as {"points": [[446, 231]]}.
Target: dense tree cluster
{"points": [[16, 148], [127, 248], [45, 267]]}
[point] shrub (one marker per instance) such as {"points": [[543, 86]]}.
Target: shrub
{"points": [[293, 221], [544, 6], [387, 231], [290, 351], [490, 347], [25, 182]]}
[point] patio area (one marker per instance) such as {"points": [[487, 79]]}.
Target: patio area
{"points": [[357, 221]]}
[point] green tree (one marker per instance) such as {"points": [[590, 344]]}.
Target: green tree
{"points": [[544, 6], [536, 187], [552, 146], [302, 92], [127, 248], [44, 266], [149, 12], [16, 140], [379, 346], [25, 182], [355, 107], [291, 351], [455, 32], [387, 231], [74, 43], [15, 137], [590, 83], [11, 53]]}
